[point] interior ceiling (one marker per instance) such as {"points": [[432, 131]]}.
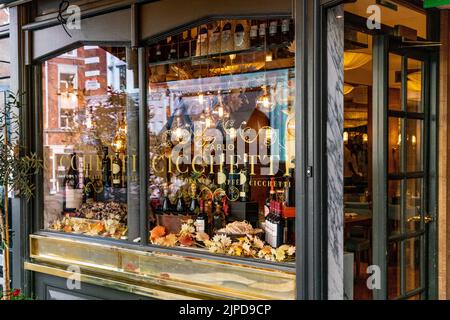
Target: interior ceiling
{"points": [[403, 16]]}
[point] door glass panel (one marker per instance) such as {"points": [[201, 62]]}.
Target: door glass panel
{"points": [[394, 207], [395, 82], [413, 204], [412, 257], [414, 95], [414, 145], [394, 269], [394, 143]]}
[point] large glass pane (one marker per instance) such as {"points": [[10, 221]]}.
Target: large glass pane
{"points": [[414, 200], [395, 145], [4, 16], [415, 89], [413, 258], [5, 69], [394, 270], [89, 142], [414, 145], [395, 82], [394, 207], [222, 139]]}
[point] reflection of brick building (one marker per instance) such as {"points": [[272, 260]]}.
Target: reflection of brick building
{"points": [[74, 84], [4, 16]]}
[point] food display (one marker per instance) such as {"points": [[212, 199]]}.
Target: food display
{"points": [[97, 219], [239, 228]]}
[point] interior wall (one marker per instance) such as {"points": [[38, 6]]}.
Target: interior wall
{"points": [[444, 161]]}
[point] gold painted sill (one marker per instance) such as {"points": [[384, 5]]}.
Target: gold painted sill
{"points": [[155, 274]]}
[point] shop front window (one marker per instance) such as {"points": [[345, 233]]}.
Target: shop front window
{"points": [[88, 175], [222, 139]]}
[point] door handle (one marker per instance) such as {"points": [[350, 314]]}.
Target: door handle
{"points": [[427, 219], [414, 219]]}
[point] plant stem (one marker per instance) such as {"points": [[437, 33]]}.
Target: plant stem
{"points": [[5, 234]]}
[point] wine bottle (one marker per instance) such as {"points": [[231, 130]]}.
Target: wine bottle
{"points": [[106, 168], [165, 208], [262, 32], [254, 40], [71, 184], [244, 180], [194, 207], [180, 204], [240, 37], [192, 36], [214, 41], [226, 39], [218, 219], [117, 171], [289, 189], [158, 52], [286, 32], [185, 45], [88, 187], [273, 32], [202, 41], [172, 45]]}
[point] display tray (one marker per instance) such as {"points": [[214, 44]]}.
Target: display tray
{"points": [[179, 274]]}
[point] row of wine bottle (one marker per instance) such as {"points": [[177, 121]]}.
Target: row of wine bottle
{"points": [[79, 190], [225, 36], [279, 228]]}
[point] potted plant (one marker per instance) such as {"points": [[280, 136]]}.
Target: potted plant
{"points": [[17, 168]]}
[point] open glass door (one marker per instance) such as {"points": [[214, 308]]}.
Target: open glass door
{"points": [[401, 214]]}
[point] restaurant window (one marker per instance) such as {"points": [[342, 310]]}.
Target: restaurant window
{"points": [[88, 175], [222, 139]]}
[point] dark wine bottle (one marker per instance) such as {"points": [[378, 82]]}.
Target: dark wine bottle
{"points": [[88, 187], [185, 45], [181, 210], [273, 32], [244, 180], [172, 45], [117, 171], [106, 168], [202, 41], [289, 189], [254, 39], [286, 32], [262, 33], [71, 185], [165, 207], [218, 219], [194, 207]]}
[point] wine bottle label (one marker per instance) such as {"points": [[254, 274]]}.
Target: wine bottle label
{"points": [[116, 181], [253, 31], [273, 28], [200, 225], [242, 194], [239, 38], [262, 29], [242, 178], [266, 210], [73, 198], [226, 35], [202, 37], [285, 26], [115, 168]]}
